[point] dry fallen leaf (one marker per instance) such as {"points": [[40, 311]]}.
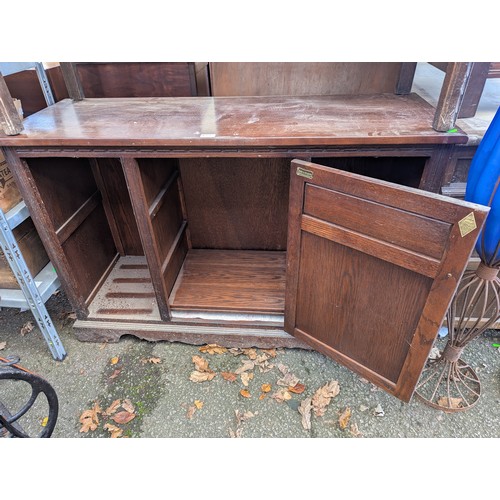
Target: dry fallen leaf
{"points": [[235, 434], [201, 376], [243, 416], [123, 417], [355, 431], [229, 376], [344, 418], [44, 421], [114, 360], [297, 388], [282, 368], [115, 431], [103, 345], [235, 351], [289, 380], [378, 411], [198, 404], [113, 407], [190, 412], [128, 406], [203, 372], [322, 397], [266, 388], [245, 393], [245, 367], [27, 327], [270, 352], [450, 402], [87, 421], [265, 367], [281, 395], [212, 349], [263, 363], [246, 377], [89, 418], [116, 373], [305, 410], [262, 396], [200, 363], [3, 345], [251, 353], [154, 361]]}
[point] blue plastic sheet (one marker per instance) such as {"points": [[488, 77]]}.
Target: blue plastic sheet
{"points": [[483, 188]]}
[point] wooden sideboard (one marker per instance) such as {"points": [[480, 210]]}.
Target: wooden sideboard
{"points": [[245, 221]]}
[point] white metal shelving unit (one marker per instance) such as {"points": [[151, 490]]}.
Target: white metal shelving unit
{"points": [[34, 291]]}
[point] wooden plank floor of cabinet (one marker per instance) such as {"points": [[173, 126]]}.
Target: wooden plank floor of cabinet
{"points": [[126, 305], [372, 267], [231, 280]]}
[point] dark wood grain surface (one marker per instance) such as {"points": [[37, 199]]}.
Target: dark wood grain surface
{"points": [[63, 194], [363, 307], [137, 79], [139, 196], [302, 78], [233, 281], [74, 206], [383, 119], [371, 270], [90, 250], [236, 203], [109, 177]]}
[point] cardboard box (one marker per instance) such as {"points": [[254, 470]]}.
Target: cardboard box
{"points": [[9, 194]]}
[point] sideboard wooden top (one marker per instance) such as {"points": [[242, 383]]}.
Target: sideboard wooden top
{"points": [[382, 119]]}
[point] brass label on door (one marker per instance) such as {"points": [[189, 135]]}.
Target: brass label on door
{"points": [[467, 224], [304, 173]]}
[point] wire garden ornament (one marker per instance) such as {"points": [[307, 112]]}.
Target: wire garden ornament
{"points": [[450, 383]]}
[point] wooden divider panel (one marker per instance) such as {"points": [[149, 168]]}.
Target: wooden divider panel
{"points": [[156, 195], [371, 270]]}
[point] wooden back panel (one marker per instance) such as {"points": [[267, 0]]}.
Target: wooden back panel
{"points": [[236, 203], [125, 79], [137, 79], [302, 78], [371, 270]]}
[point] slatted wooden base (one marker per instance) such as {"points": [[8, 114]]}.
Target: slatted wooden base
{"points": [[125, 305], [127, 293], [231, 280]]}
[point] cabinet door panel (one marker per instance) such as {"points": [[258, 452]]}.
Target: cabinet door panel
{"points": [[371, 269]]}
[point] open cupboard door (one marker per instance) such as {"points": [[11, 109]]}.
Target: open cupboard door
{"points": [[371, 269]]}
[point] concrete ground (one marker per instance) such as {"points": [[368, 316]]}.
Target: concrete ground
{"points": [[155, 377]]}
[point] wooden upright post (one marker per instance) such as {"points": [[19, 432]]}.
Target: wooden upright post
{"points": [[405, 80], [72, 81], [12, 123], [474, 89], [451, 96]]}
